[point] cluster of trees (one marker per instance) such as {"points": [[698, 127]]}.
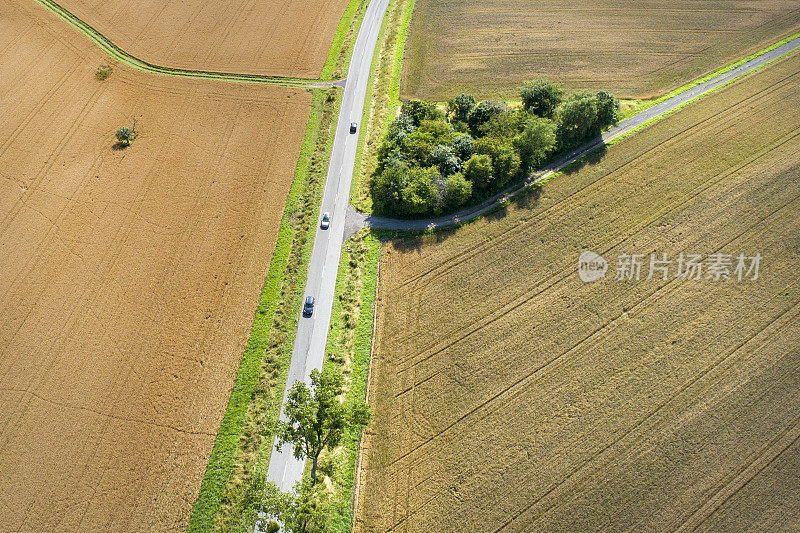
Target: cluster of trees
{"points": [[433, 161]]}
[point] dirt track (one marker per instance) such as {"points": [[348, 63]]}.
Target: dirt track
{"points": [[279, 38], [129, 277], [511, 396]]}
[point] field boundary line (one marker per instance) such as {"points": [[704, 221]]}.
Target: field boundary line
{"points": [[108, 46]]}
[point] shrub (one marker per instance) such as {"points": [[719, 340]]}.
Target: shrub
{"points": [[125, 136], [103, 72]]}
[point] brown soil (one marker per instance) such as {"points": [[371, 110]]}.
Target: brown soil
{"points": [[276, 37], [510, 396], [637, 49], [129, 276]]}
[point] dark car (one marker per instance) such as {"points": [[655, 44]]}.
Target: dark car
{"points": [[353, 127], [308, 307], [326, 221]]}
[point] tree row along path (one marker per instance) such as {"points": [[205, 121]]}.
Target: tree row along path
{"points": [[124, 57], [357, 220]]}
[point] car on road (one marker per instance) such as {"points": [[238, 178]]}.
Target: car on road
{"points": [[353, 127], [308, 307], [326, 221]]}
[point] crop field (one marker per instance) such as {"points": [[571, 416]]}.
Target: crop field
{"points": [[275, 37], [636, 49], [129, 275], [508, 395]]}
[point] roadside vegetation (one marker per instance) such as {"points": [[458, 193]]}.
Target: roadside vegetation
{"points": [[327, 506], [434, 161], [230, 489]]}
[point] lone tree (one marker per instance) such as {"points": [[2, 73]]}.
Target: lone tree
{"points": [[126, 135], [316, 418]]}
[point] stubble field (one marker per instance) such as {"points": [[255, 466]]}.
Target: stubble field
{"points": [[278, 38], [635, 49], [511, 396], [129, 276]]}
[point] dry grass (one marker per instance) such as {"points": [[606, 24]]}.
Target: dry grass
{"points": [[635, 49], [130, 276], [510, 396], [275, 37]]}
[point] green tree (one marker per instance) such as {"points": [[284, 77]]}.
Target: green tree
{"points": [[505, 160], [607, 109], [541, 97], [464, 146], [504, 125], [535, 142], [457, 191], [304, 510], [421, 195], [316, 419], [418, 111], [445, 159], [577, 120], [387, 187], [478, 171], [483, 113], [460, 106]]}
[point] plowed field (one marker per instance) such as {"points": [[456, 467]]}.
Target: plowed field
{"points": [[637, 49], [275, 37], [128, 277], [511, 396]]}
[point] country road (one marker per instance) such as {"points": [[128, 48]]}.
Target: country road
{"points": [[312, 333]]}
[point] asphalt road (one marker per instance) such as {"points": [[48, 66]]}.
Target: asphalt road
{"points": [[312, 333], [357, 220]]}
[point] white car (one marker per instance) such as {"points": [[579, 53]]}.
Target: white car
{"points": [[326, 221]]}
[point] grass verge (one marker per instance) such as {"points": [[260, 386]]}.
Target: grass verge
{"points": [[260, 380], [349, 346], [342, 45]]}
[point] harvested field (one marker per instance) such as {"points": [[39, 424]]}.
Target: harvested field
{"points": [[130, 276], [274, 37], [635, 49], [511, 396]]}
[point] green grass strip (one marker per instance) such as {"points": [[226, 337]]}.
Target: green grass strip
{"points": [[356, 285], [225, 445], [124, 57], [345, 24]]}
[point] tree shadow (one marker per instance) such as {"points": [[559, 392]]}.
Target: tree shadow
{"points": [[593, 158], [119, 146]]}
